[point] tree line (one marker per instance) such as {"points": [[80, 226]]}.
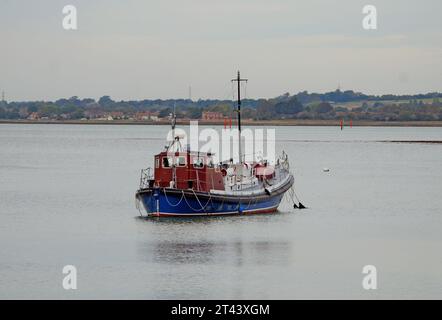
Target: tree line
{"points": [[303, 105]]}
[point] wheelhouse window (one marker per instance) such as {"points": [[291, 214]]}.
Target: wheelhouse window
{"points": [[181, 161], [157, 162], [167, 162], [198, 162]]}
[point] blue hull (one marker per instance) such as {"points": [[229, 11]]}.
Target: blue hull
{"points": [[173, 202]]}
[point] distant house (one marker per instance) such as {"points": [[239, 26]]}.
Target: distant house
{"points": [[114, 115], [155, 116], [34, 116], [212, 115], [143, 115], [117, 115]]}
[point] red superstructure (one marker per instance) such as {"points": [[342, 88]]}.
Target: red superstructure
{"points": [[189, 170]]}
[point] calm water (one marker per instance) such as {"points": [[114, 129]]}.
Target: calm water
{"points": [[67, 197]]}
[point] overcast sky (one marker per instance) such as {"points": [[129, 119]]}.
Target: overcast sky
{"points": [[136, 49]]}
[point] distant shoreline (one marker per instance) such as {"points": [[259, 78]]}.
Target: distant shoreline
{"points": [[291, 122]]}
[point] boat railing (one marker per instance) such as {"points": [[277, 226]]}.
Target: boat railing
{"points": [[146, 178]]}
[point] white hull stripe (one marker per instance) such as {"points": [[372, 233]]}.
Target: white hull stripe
{"points": [[211, 213]]}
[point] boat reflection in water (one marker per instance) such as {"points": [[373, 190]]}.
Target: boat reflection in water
{"points": [[234, 254]]}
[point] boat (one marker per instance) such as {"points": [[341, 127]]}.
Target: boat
{"points": [[185, 182]]}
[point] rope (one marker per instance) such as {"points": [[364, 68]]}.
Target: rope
{"points": [[292, 192], [301, 206], [248, 206], [295, 194], [190, 205], [167, 200], [293, 188], [220, 207], [202, 208]]}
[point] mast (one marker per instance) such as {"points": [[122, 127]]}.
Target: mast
{"points": [[174, 140], [173, 122], [238, 80]]}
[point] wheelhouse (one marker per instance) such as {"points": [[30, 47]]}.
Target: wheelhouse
{"points": [[187, 170]]}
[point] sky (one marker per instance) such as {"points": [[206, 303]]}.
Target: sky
{"points": [[137, 49]]}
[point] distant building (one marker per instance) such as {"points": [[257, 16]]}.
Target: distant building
{"points": [[117, 115], [34, 116], [146, 115], [114, 115], [155, 116], [212, 115]]}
